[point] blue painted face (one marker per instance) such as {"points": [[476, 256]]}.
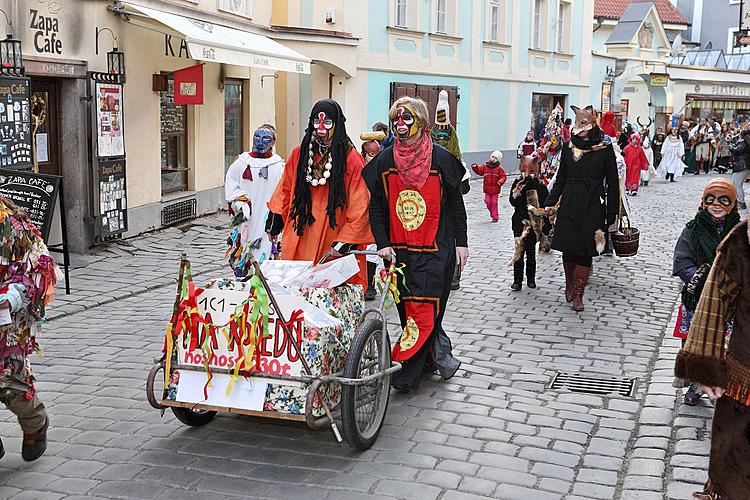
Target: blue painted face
{"points": [[262, 141]]}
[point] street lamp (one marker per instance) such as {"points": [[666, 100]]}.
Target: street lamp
{"points": [[115, 62], [10, 50], [115, 58]]}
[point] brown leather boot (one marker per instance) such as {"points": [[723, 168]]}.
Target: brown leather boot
{"points": [[34, 443], [569, 268], [581, 280]]}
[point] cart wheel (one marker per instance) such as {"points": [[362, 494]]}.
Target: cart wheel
{"points": [[363, 407], [193, 418]]}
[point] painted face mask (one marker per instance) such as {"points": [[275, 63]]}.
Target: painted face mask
{"points": [[406, 125], [441, 136], [585, 119], [324, 128], [719, 192], [262, 141]]}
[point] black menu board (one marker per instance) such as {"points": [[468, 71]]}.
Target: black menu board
{"points": [[113, 213], [15, 123], [33, 193]]}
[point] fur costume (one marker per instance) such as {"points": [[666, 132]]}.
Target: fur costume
{"points": [[709, 360], [528, 194]]}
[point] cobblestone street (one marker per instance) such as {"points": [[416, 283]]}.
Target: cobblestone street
{"points": [[495, 430]]}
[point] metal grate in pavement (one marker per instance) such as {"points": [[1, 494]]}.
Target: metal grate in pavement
{"points": [[178, 212], [598, 384]]}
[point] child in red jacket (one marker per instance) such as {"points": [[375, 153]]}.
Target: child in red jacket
{"points": [[494, 178], [636, 161]]}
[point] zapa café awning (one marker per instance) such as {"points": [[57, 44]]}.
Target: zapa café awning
{"points": [[217, 43]]}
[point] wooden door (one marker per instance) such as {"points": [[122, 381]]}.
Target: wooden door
{"points": [[47, 137], [429, 94]]}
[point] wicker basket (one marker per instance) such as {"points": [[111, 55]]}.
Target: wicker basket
{"points": [[626, 240]]}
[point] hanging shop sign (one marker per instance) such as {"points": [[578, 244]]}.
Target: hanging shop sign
{"points": [[188, 85], [15, 123], [659, 79], [113, 213], [606, 97], [35, 194], [110, 140]]}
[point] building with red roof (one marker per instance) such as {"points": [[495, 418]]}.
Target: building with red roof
{"points": [[613, 10]]}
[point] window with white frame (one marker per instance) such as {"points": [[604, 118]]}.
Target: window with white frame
{"points": [[240, 7], [564, 26], [441, 16], [540, 7], [401, 8], [731, 49], [496, 20]]}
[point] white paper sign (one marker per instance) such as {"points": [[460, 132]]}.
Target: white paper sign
{"points": [[247, 393], [42, 153]]}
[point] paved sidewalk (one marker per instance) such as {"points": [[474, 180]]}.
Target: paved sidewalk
{"points": [[495, 430], [128, 267]]}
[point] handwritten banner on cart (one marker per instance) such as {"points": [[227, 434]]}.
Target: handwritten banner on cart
{"points": [[273, 354]]}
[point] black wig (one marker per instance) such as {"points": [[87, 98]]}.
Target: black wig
{"points": [[301, 212]]}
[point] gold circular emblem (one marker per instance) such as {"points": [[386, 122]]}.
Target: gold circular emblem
{"points": [[410, 335], [411, 209]]}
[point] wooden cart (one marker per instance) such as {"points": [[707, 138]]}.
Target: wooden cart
{"points": [[365, 379]]}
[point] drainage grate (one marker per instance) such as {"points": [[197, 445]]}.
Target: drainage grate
{"points": [[602, 385], [178, 212]]}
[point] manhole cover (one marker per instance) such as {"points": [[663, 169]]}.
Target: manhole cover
{"points": [[596, 384]]}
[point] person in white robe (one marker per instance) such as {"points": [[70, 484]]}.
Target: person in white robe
{"points": [[249, 185], [672, 152]]}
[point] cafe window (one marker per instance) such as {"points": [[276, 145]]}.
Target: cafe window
{"points": [[232, 121], [174, 165], [541, 107]]}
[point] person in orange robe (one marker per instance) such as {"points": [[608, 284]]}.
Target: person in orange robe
{"points": [[322, 202]]}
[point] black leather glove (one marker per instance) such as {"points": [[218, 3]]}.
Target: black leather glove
{"points": [[343, 248], [274, 224]]}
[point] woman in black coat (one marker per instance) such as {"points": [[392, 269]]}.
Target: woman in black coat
{"points": [[587, 175]]}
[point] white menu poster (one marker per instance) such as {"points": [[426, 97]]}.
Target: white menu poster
{"points": [[109, 124]]}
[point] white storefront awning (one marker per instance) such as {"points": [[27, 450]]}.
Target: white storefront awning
{"points": [[217, 43]]}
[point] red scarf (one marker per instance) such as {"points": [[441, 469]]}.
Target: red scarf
{"points": [[413, 161]]}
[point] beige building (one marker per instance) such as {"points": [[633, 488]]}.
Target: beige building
{"points": [[505, 64], [174, 155]]}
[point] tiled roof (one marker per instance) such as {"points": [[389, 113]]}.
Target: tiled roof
{"points": [[613, 9]]}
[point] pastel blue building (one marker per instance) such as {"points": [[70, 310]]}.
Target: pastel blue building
{"points": [[505, 63]]}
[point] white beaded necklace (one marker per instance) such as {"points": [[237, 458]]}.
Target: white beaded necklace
{"points": [[326, 173]]}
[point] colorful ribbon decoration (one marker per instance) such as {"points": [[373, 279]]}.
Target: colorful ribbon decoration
{"points": [[249, 319], [389, 282]]}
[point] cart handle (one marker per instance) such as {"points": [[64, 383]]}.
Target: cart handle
{"points": [[328, 255]]}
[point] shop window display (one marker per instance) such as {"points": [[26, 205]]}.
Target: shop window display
{"points": [[174, 167], [232, 122]]}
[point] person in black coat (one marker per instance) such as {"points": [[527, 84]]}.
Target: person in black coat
{"points": [[525, 189], [587, 165]]}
